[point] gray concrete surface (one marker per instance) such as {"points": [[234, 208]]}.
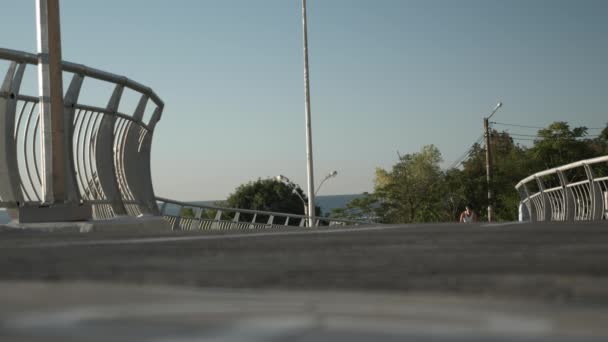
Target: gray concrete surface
{"points": [[147, 224], [542, 270], [104, 312]]}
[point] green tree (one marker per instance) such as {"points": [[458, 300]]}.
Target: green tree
{"points": [[416, 190], [558, 144], [187, 213], [410, 191], [510, 164]]}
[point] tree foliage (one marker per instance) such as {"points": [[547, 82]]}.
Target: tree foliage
{"points": [[409, 192], [267, 195], [415, 189]]}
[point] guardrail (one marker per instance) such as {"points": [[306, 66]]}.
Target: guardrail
{"points": [[572, 192], [208, 217], [108, 151]]}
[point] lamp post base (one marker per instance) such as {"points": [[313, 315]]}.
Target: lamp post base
{"points": [[55, 213]]}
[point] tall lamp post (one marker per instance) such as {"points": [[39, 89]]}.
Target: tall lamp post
{"points": [[486, 128], [309, 159]]}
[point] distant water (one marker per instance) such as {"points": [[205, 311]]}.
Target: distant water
{"points": [[4, 218], [327, 204]]}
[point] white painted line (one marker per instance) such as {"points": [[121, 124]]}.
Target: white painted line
{"points": [[492, 225], [151, 240]]}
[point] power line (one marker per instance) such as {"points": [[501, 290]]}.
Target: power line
{"points": [[537, 138], [514, 125], [536, 127], [515, 137], [466, 154]]}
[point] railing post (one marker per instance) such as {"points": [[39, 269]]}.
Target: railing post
{"points": [[178, 219], [216, 220], [597, 200], [9, 169], [543, 197], [252, 226], [106, 168], [526, 205], [70, 100], [567, 197], [133, 164], [162, 208], [144, 161]]}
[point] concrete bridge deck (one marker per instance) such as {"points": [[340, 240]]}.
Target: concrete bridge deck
{"points": [[548, 269]]}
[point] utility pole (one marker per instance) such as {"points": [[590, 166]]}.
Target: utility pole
{"points": [[488, 167], [487, 134], [309, 159]]}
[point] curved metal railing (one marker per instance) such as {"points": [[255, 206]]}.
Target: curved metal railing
{"points": [[108, 151], [191, 216], [572, 192]]}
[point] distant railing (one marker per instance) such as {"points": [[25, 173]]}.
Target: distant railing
{"points": [[572, 192], [108, 151], [208, 217]]}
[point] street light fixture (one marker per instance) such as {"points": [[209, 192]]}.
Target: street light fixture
{"points": [[295, 188], [330, 175]]}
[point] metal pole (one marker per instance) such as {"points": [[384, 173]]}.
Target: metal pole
{"points": [[50, 91], [309, 159], [486, 129], [487, 133]]}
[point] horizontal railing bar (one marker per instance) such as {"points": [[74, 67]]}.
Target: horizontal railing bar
{"points": [[30, 58], [562, 168], [107, 112], [106, 202], [249, 211], [27, 98], [21, 97], [586, 181]]}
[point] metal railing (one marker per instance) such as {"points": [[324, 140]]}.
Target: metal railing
{"points": [[208, 217], [108, 151], [572, 192]]}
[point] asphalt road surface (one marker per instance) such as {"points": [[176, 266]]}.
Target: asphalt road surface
{"points": [[558, 273]]}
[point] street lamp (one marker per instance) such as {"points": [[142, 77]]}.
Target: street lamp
{"points": [[295, 188], [309, 158], [330, 175], [486, 128]]}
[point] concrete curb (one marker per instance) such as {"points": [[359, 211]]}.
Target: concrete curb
{"points": [[126, 223]]}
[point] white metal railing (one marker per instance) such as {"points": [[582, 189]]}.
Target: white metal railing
{"points": [[208, 217], [580, 194], [109, 153]]}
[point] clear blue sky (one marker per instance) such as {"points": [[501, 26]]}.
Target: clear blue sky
{"points": [[387, 76]]}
